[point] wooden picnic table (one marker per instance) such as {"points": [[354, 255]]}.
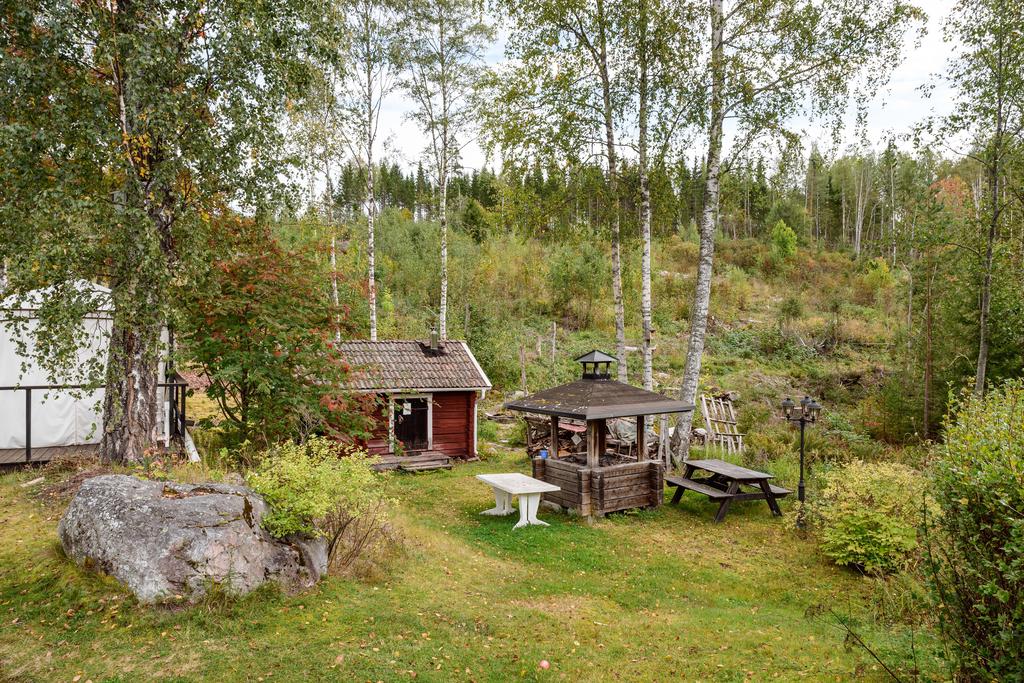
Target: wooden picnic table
{"points": [[724, 485]]}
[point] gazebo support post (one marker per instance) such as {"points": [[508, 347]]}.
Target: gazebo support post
{"points": [[594, 443], [553, 453], [641, 438]]}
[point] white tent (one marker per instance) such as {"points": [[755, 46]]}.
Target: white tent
{"points": [[59, 417]]}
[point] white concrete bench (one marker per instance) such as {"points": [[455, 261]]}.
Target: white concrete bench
{"points": [[527, 488]]}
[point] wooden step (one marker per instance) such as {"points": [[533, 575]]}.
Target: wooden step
{"points": [[419, 462], [426, 467]]}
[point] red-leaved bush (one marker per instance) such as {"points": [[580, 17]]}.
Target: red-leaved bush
{"points": [[261, 326]]}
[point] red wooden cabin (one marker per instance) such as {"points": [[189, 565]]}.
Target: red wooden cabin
{"points": [[429, 390]]}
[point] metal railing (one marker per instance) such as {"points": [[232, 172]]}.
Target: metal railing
{"points": [[175, 382]]}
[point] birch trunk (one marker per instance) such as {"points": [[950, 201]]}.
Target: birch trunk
{"points": [[130, 402], [371, 250], [130, 398], [928, 361], [443, 314], [609, 131], [986, 290], [645, 215], [994, 171], [861, 201], [646, 303], [371, 200], [892, 210], [333, 253], [846, 238], [702, 293]]}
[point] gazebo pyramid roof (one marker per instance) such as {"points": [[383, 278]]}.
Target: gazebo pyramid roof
{"points": [[597, 397]]}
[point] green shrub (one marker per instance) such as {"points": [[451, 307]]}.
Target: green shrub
{"points": [[312, 489], [783, 240], [877, 280], [869, 515], [791, 211], [977, 557], [790, 310], [486, 430], [577, 277], [768, 443], [734, 289], [517, 435]]}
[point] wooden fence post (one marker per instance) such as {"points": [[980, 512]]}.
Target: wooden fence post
{"points": [[522, 368]]}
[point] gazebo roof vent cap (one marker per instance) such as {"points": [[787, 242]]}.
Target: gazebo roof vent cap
{"points": [[596, 365]]}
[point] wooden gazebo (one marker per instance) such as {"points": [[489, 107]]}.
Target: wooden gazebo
{"points": [[605, 481]]}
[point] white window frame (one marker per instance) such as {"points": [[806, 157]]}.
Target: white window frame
{"points": [[395, 398]]}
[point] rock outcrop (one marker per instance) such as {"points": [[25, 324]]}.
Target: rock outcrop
{"points": [[164, 540]]}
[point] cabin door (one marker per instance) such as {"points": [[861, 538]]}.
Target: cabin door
{"points": [[412, 423]]}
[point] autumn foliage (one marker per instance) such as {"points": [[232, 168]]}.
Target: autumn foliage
{"points": [[261, 328]]}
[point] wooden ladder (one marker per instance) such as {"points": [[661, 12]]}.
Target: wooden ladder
{"points": [[720, 421]]}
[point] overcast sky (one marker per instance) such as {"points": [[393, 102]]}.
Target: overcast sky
{"points": [[893, 111]]}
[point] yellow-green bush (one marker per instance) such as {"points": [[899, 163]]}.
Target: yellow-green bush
{"points": [[677, 254], [307, 485], [673, 294], [875, 283], [870, 514], [733, 290]]}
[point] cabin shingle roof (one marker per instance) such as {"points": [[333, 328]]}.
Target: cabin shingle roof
{"points": [[410, 365]]}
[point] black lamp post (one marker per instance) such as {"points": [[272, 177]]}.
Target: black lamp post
{"points": [[806, 413]]}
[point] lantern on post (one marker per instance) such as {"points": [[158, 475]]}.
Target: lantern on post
{"points": [[806, 413]]}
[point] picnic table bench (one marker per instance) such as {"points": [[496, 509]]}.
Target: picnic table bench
{"points": [[527, 488], [724, 485]]}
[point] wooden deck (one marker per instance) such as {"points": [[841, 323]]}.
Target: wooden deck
{"points": [[16, 456]]}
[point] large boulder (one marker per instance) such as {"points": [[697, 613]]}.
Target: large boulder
{"points": [[164, 540]]}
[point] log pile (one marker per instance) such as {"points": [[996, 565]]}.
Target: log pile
{"points": [[571, 436]]}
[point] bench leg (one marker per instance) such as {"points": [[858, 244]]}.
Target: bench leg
{"points": [[724, 506], [770, 497], [528, 504], [678, 495], [502, 504]]}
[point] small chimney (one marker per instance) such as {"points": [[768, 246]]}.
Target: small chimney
{"points": [[435, 341]]}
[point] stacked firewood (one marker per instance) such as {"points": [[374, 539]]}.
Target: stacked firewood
{"points": [[538, 436]]}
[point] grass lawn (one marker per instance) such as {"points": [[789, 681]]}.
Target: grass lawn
{"points": [[646, 596]]}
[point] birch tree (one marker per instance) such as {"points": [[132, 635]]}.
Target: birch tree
{"points": [[862, 194], [445, 42], [136, 120], [373, 58], [658, 54], [770, 59], [988, 73], [564, 97], [317, 124]]}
